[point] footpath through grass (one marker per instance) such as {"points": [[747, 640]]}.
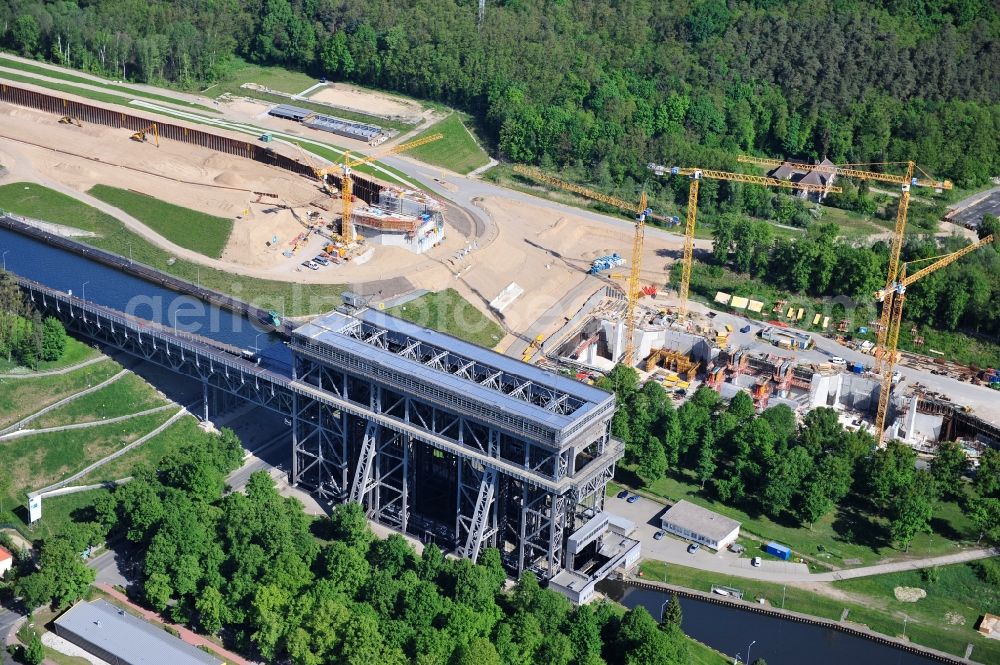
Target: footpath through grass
{"points": [[846, 537], [449, 312], [63, 75], [182, 432], [129, 394], [191, 229], [944, 620], [457, 151], [289, 298], [20, 398]]}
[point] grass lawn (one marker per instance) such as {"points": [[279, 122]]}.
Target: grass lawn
{"points": [[76, 352], [57, 513], [844, 534], [22, 397], [700, 654], [457, 151], [129, 394], [449, 312], [287, 297], [853, 224], [205, 234], [934, 621], [183, 431], [73, 78], [43, 459]]}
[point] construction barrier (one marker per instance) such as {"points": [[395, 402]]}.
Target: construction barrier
{"points": [[364, 188]]}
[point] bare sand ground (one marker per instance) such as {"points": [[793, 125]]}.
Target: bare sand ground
{"points": [[547, 253], [366, 101]]}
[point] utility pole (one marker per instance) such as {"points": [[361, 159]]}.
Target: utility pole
{"points": [[482, 14]]}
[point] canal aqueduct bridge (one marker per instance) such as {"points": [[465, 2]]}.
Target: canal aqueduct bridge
{"points": [[434, 436]]}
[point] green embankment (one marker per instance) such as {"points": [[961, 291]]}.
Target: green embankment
{"points": [[129, 394], [845, 537], [84, 92], [20, 398], [76, 352], [457, 151], [449, 312], [290, 298], [944, 620], [205, 234]]}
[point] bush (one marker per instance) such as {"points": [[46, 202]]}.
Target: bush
{"points": [[988, 571]]}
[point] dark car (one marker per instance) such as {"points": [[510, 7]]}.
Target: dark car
{"points": [[623, 494], [658, 535], [693, 547], [745, 329], [633, 498]]}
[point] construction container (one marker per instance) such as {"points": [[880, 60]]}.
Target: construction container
{"points": [[778, 550], [857, 368]]}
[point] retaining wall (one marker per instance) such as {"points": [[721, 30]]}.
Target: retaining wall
{"points": [[364, 188]]}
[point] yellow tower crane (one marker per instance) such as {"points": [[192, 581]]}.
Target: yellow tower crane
{"points": [[904, 182], [347, 183], [641, 212], [892, 300], [696, 176]]}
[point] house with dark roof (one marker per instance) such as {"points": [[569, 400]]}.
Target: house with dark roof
{"points": [[823, 177]]}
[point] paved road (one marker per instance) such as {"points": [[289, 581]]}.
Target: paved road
{"points": [[107, 567], [645, 513], [973, 208]]}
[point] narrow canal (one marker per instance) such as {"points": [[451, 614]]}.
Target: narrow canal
{"points": [[778, 641], [726, 629], [97, 283]]}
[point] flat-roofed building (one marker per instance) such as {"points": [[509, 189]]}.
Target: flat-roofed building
{"points": [[117, 637], [701, 525], [6, 561]]}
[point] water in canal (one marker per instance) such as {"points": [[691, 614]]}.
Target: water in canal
{"points": [[778, 641], [100, 284]]}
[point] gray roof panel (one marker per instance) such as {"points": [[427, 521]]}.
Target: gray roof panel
{"points": [[130, 639]]}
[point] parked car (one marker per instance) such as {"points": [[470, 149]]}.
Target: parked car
{"points": [[658, 535], [320, 260], [633, 498], [310, 265], [745, 329], [623, 494], [837, 360], [755, 562], [736, 548], [693, 547]]}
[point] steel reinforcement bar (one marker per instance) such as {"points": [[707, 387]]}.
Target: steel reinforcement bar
{"points": [[363, 187]]}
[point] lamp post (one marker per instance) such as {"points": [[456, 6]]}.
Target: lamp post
{"points": [[748, 650], [256, 346], [85, 289], [5, 260]]}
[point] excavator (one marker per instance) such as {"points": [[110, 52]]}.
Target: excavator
{"points": [[140, 135]]}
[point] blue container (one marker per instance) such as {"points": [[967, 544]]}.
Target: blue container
{"points": [[858, 368], [779, 551]]}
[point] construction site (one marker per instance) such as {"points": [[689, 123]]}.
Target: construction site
{"points": [[571, 292]]}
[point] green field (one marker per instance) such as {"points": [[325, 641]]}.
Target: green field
{"points": [[129, 394], [63, 75], [449, 312], [457, 151], [183, 431], [931, 621], [205, 234], [76, 352], [291, 299], [843, 534], [20, 398]]}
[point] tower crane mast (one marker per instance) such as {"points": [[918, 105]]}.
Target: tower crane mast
{"points": [[904, 182], [696, 175], [641, 212], [892, 301]]}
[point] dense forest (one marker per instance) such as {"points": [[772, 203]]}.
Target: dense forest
{"points": [[279, 586], [795, 473], [603, 87]]}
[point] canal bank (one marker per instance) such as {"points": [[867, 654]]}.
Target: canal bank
{"points": [[780, 636]]}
